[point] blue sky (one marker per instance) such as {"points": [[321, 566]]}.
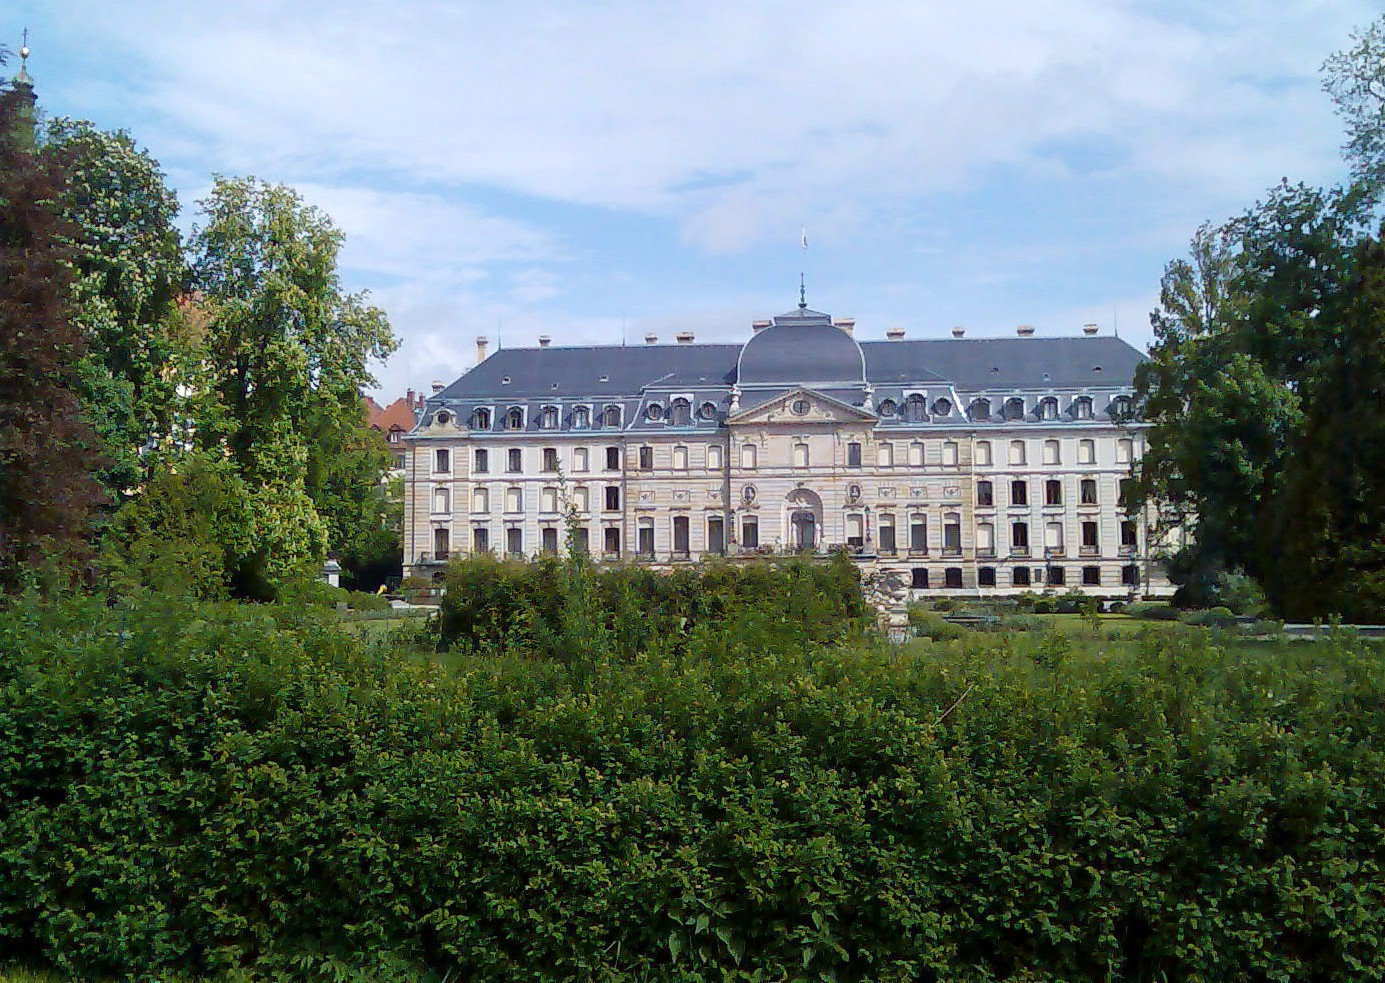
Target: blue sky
{"points": [[583, 169]]}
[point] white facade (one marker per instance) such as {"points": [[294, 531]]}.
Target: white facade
{"points": [[934, 489]]}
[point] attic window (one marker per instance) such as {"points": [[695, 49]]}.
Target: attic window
{"points": [[707, 411], [604, 378], [654, 412], [995, 368], [887, 408], [1096, 368], [443, 417], [504, 380], [800, 406]]}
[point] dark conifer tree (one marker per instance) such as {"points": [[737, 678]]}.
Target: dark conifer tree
{"points": [[47, 450]]}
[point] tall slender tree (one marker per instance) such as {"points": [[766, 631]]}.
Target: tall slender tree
{"points": [[47, 450]]}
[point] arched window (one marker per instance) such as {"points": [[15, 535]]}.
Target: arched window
{"points": [[680, 458], [548, 418], [980, 409], [983, 453], [581, 418], [1120, 408], [481, 419], [1052, 452], [915, 409], [1017, 455], [888, 407], [610, 416], [707, 411], [480, 500], [1014, 408], [654, 412], [942, 407], [514, 418], [1048, 408], [442, 500], [1082, 408], [680, 412], [514, 499], [1086, 452]]}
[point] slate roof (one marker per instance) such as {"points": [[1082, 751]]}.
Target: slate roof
{"points": [[537, 373], [801, 347]]}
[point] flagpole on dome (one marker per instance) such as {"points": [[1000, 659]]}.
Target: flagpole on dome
{"points": [[802, 274]]}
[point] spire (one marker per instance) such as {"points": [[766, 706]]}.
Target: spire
{"points": [[26, 118], [802, 293]]}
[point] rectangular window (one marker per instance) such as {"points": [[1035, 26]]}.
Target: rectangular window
{"points": [[985, 494], [612, 458], [1053, 492], [581, 540], [983, 453], [884, 456], [1057, 576], [1019, 576], [646, 458], [952, 578], [1123, 495], [550, 459], [952, 534], [855, 530], [716, 534], [581, 500], [918, 534], [442, 461], [916, 454], [887, 543], [680, 458], [750, 532], [985, 577], [610, 541], [985, 539], [1129, 538], [579, 459], [1019, 538], [1091, 576], [645, 542], [1019, 493], [548, 539], [480, 500], [612, 498], [748, 455], [1053, 537], [681, 537], [514, 460], [480, 539], [1090, 544], [1017, 455], [1125, 448], [548, 500], [949, 452], [483, 461], [1130, 576], [1088, 491], [514, 500], [919, 578], [714, 457], [1051, 453], [1086, 452], [853, 455], [514, 541], [800, 455]]}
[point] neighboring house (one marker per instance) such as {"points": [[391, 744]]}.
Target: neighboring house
{"points": [[976, 466], [396, 420]]}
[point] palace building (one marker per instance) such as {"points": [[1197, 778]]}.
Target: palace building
{"points": [[963, 465]]}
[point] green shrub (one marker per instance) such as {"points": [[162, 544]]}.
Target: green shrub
{"points": [[1218, 617], [943, 604], [1152, 611], [246, 791], [928, 624], [1045, 605], [1072, 602], [319, 593]]}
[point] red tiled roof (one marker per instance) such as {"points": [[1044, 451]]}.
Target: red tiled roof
{"points": [[398, 415]]}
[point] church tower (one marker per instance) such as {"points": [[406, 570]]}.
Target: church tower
{"points": [[26, 102]]}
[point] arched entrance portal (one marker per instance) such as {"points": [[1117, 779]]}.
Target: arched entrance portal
{"points": [[803, 519]]}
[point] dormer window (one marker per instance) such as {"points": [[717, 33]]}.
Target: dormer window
{"points": [[1048, 408], [1120, 407], [1082, 408], [707, 411], [680, 413], [654, 412], [916, 409], [442, 418], [514, 418], [581, 418], [481, 419], [981, 409], [800, 407], [610, 416], [1014, 408], [942, 407], [888, 407], [548, 418]]}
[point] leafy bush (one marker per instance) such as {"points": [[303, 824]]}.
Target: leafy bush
{"points": [[1241, 594], [1152, 611], [1072, 602], [1045, 605], [319, 593], [1218, 617], [943, 604], [927, 624], [220, 790], [1116, 607]]}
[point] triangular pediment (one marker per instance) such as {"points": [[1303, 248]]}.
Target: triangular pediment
{"points": [[799, 406]]}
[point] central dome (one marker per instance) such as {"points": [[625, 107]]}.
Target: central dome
{"points": [[801, 347]]}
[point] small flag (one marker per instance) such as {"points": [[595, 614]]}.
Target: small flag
{"points": [[805, 237]]}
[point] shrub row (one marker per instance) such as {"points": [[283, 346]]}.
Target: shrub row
{"points": [[226, 789]]}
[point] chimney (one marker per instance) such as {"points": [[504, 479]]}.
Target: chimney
{"points": [[847, 324], [1090, 329], [437, 387], [411, 397], [758, 326], [1024, 330], [958, 331], [544, 340], [482, 342], [651, 339], [684, 337], [895, 334]]}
